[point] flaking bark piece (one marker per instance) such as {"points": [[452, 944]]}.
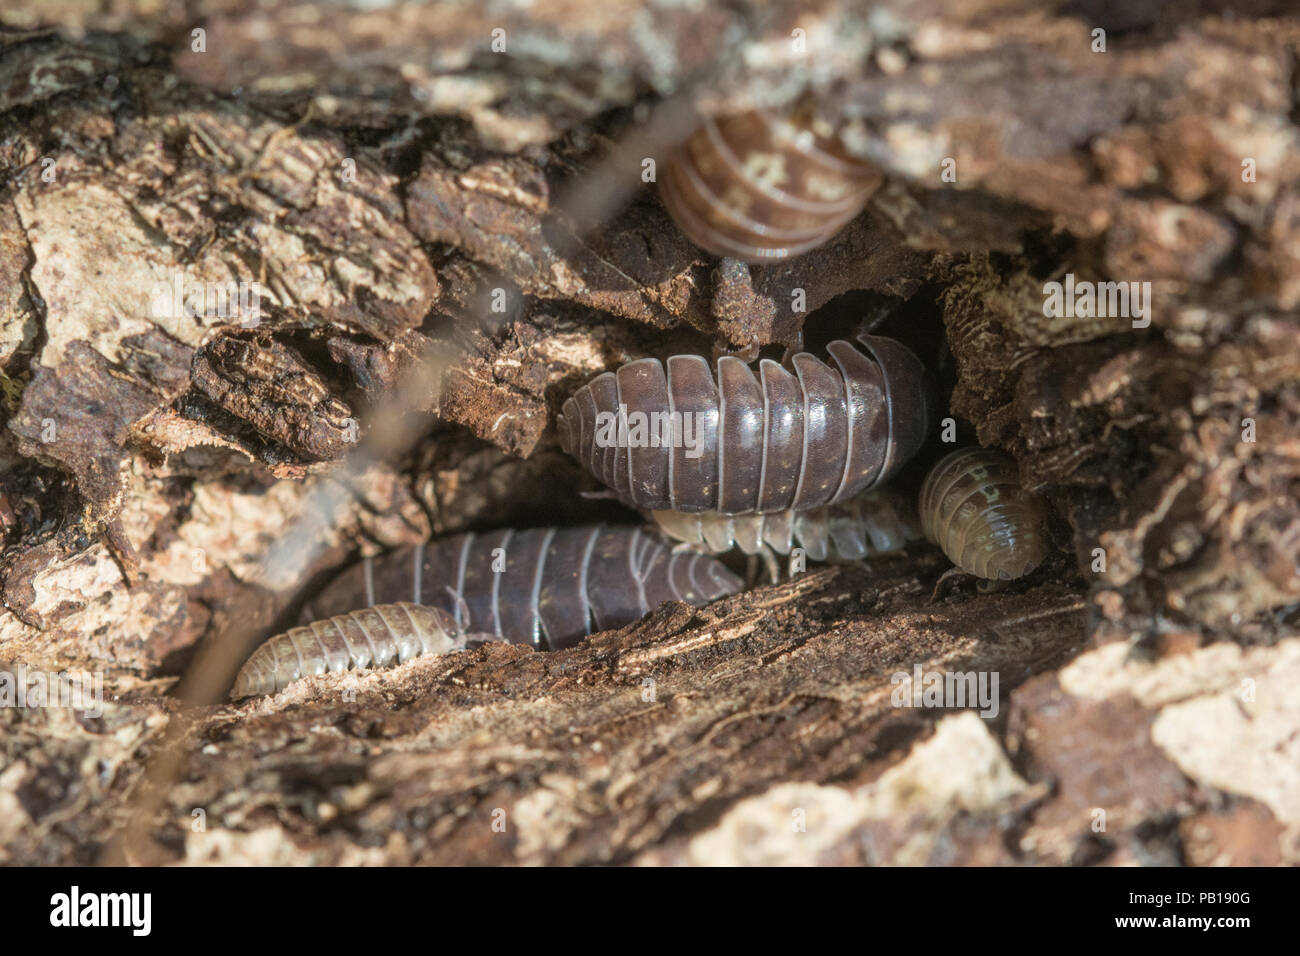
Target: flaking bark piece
{"points": [[270, 385], [76, 416]]}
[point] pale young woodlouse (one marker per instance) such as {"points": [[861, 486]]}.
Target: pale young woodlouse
{"points": [[548, 587], [762, 186], [381, 636], [784, 441], [973, 506]]}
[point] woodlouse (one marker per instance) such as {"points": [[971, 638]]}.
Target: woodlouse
{"points": [[548, 587], [874, 523], [761, 186], [973, 506], [381, 636], [783, 441]]}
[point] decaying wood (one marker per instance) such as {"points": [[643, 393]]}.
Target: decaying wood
{"points": [[394, 187]]}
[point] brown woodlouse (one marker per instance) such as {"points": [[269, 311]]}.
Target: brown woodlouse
{"points": [[380, 636], [742, 445], [549, 587], [875, 523], [761, 186], [973, 507]]}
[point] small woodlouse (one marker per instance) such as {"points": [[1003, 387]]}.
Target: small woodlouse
{"points": [[973, 507], [781, 441], [761, 186], [380, 636], [874, 523], [548, 587]]}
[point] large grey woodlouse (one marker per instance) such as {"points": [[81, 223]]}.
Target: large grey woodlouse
{"points": [[548, 587], [973, 506], [760, 186], [780, 442], [875, 523]]}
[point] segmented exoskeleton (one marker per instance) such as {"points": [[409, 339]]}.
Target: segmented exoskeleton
{"points": [[973, 506], [667, 436], [382, 636], [874, 523], [762, 186], [548, 587]]}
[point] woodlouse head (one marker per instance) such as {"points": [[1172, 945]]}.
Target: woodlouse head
{"points": [[762, 186], [252, 681]]}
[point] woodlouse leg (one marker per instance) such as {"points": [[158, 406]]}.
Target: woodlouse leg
{"points": [[462, 611], [792, 350], [746, 353], [944, 578]]}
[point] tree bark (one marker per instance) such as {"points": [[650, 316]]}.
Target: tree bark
{"points": [[394, 187]]}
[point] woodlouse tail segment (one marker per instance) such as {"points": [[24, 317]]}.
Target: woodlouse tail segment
{"points": [[380, 636], [973, 506], [762, 186]]}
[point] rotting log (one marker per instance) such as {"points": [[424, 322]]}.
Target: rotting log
{"points": [[384, 180]]}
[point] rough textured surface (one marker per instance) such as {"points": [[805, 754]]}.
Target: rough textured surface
{"points": [[176, 472]]}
